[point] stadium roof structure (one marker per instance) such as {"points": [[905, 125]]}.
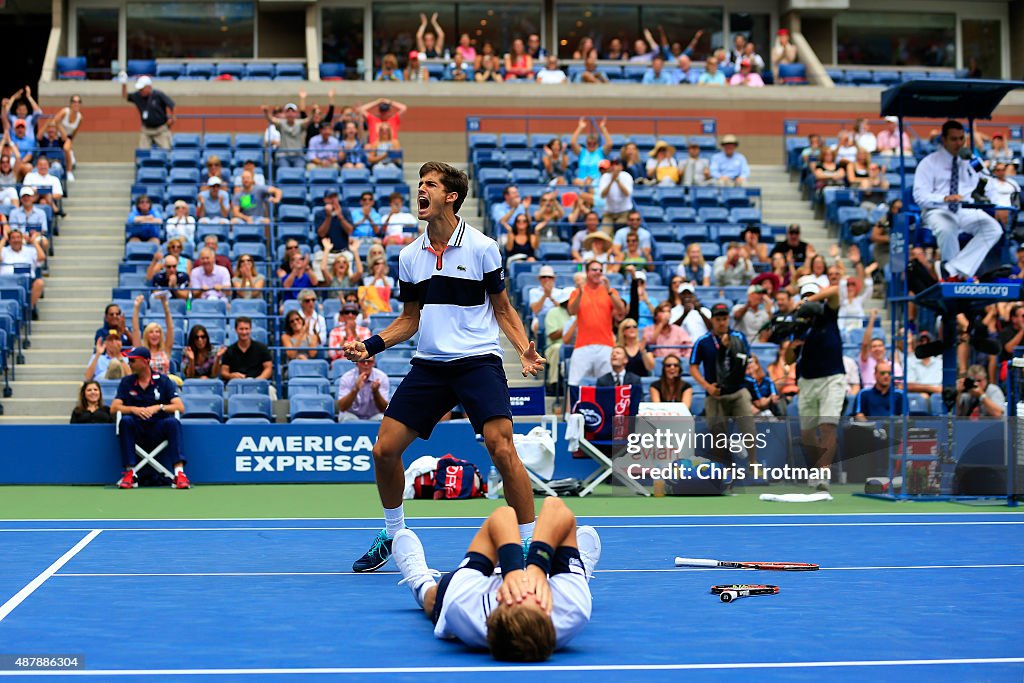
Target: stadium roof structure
{"points": [[946, 99]]}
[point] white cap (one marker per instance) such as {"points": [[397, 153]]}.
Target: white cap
{"points": [[892, 119], [546, 271], [562, 295], [142, 82], [292, 106], [686, 287], [640, 275], [214, 180], [808, 285], [27, 191]]}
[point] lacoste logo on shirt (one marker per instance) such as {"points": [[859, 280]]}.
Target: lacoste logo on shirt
{"points": [[460, 267]]}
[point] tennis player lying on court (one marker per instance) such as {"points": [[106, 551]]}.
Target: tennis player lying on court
{"points": [[528, 610]]}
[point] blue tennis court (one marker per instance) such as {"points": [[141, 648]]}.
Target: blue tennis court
{"points": [[909, 595]]}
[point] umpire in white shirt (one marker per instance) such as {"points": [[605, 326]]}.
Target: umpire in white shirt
{"points": [[942, 182]]}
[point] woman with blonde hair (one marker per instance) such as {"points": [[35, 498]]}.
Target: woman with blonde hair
{"points": [[639, 361], [694, 268], [340, 275], [154, 338], [377, 156]]}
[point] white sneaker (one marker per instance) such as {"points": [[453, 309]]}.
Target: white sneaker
{"points": [[818, 484], [70, 177], [589, 545], [408, 554]]}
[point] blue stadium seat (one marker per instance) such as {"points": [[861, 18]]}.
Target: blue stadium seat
{"points": [[328, 176], [203, 406], [918, 405], [348, 175], [209, 307], [293, 214], [185, 158], [185, 141], [259, 71], [553, 251], [290, 176], [514, 140], [680, 214], [140, 67], [294, 195], [305, 386], [845, 216], [307, 368], [213, 387], [673, 197], [482, 140], [725, 233], [384, 174], [152, 158], [670, 251], [886, 78], [710, 250], [522, 176], [792, 74], [248, 387], [651, 214], [859, 77], [311, 407], [151, 175], [289, 71], [706, 197], [645, 195], [332, 71], [71, 68], [248, 307], [179, 175], [735, 197], [250, 405], [200, 70], [217, 141], [713, 214], [169, 72], [495, 176], [249, 141], [698, 232], [140, 251], [520, 158], [234, 69]]}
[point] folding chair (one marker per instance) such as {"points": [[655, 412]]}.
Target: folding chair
{"points": [[596, 403], [148, 457]]}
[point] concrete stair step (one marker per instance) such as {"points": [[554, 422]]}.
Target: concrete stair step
{"points": [[47, 341], [35, 419], [50, 371], [29, 407], [47, 389]]}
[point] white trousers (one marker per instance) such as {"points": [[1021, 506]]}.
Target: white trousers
{"points": [[947, 226], [591, 361]]}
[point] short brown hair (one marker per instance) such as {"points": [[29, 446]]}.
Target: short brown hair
{"points": [[452, 178], [519, 634]]}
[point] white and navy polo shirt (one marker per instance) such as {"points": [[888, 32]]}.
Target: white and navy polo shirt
{"points": [[453, 288]]}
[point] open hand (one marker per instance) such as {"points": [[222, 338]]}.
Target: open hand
{"points": [[532, 361]]}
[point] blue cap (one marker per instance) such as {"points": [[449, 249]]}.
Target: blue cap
{"points": [[139, 352]]}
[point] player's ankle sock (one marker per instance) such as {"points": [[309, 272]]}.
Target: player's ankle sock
{"points": [[178, 469], [421, 590], [526, 531], [394, 520]]}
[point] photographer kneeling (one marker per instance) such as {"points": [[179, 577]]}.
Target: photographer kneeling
{"points": [[821, 377]]}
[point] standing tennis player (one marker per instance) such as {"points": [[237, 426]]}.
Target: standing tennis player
{"points": [[452, 287]]}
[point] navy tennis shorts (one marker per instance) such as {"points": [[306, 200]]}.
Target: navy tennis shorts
{"points": [[433, 388]]}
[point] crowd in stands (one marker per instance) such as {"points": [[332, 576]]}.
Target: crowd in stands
{"points": [[647, 60]]}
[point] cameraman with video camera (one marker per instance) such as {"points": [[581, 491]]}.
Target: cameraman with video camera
{"points": [[718, 362], [821, 376], [977, 397]]}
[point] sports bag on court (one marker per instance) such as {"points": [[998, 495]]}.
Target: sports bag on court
{"points": [[456, 478]]}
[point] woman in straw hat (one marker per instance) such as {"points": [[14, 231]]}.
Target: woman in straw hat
{"points": [[597, 246], [662, 167]]}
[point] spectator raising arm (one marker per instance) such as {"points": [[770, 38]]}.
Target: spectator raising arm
{"points": [[421, 44]]}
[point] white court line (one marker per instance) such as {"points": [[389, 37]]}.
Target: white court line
{"points": [[364, 671], [35, 583], [476, 527], [694, 516], [596, 571]]}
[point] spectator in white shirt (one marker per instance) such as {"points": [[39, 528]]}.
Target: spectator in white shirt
{"points": [[1001, 190], [26, 251], [41, 178], [551, 74], [181, 224], [616, 188], [863, 137], [399, 225]]}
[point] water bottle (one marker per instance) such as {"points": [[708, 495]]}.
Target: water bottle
{"points": [[493, 482]]}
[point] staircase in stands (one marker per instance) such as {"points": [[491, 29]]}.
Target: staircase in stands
{"points": [[82, 272]]}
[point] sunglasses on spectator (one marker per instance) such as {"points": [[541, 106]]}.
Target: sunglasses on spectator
{"points": [[671, 365], [629, 327], [596, 270], [245, 260], [201, 336], [883, 372], [308, 299], [365, 200]]}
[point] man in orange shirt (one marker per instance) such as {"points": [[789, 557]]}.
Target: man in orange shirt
{"points": [[595, 304]]}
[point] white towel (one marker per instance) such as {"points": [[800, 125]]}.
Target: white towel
{"points": [[421, 465], [796, 497], [536, 449], [574, 431]]}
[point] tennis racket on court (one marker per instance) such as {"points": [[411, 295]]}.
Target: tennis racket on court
{"points": [[768, 566], [742, 590]]}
